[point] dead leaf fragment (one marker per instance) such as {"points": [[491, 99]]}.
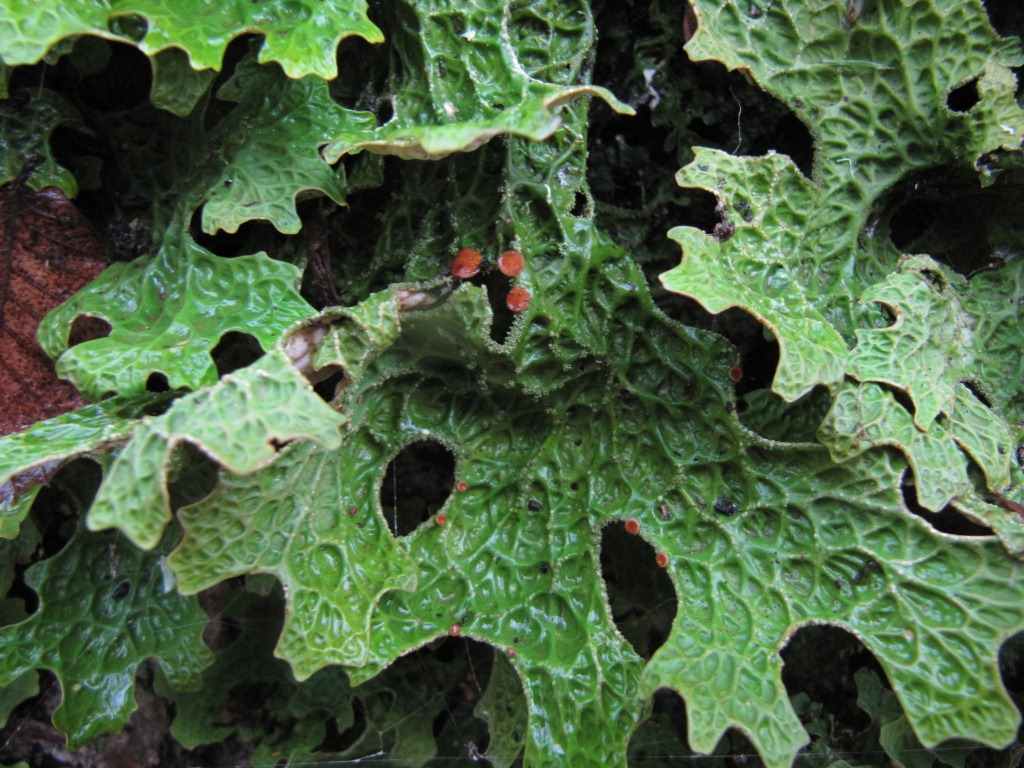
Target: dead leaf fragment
{"points": [[48, 251]]}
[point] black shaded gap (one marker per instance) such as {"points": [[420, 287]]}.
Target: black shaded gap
{"points": [[123, 84], [445, 679], [640, 593], [498, 287], [452, 725], [29, 731], [580, 204], [318, 286], [661, 740], [197, 476], [701, 212], [946, 520], [86, 328], [680, 308], [157, 382], [758, 350], [662, 736], [252, 236], [417, 483], [328, 387], [217, 109], [1007, 17], [364, 68], [946, 213], [59, 505], [906, 402], [1011, 665], [234, 351], [222, 629], [963, 97], [820, 661], [679, 104], [336, 740], [975, 389]]}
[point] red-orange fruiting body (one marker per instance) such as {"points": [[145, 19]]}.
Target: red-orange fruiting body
{"points": [[441, 519], [511, 263], [518, 299], [661, 559], [454, 630], [466, 263], [632, 526], [461, 486], [736, 373]]}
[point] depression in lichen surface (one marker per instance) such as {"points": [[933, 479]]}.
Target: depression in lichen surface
{"points": [[551, 383]]}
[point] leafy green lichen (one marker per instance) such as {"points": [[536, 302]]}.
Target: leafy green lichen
{"points": [[301, 36], [105, 607], [588, 408]]}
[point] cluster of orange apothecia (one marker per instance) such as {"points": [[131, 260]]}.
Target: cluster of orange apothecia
{"points": [[467, 263], [633, 529]]}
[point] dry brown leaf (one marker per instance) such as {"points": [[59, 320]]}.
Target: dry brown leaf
{"points": [[48, 251]]}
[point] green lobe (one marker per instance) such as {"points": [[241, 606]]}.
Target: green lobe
{"points": [[335, 556], [754, 581], [104, 608], [176, 86], [29, 29], [167, 314], [811, 542], [926, 352], [468, 77], [276, 148], [95, 428], [993, 304], [894, 733], [873, 93], [14, 508], [763, 267], [71, 434], [25, 129], [286, 723], [534, 117], [868, 416], [301, 35], [269, 149], [323, 532], [237, 423], [593, 408], [355, 335]]}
